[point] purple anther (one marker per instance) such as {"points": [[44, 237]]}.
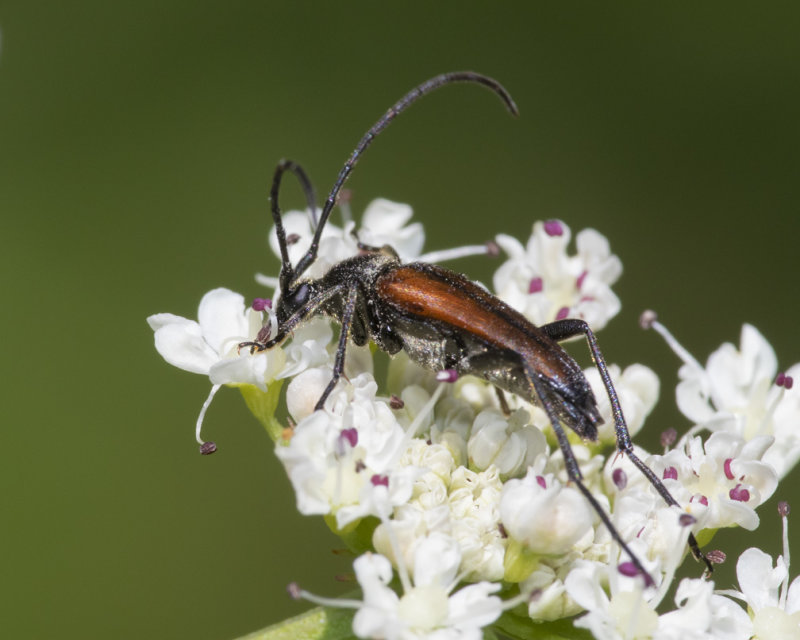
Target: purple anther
{"points": [[395, 402], [541, 481], [727, 467], [716, 556], [628, 569], [739, 494], [536, 285], [647, 319], [783, 508], [553, 228], [686, 520], [780, 379], [563, 312], [292, 238], [670, 473], [293, 589], [350, 435], [581, 278], [379, 480], [261, 304], [702, 500], [620, 478], [492, 249], [788, 382], [668, 438], [207, 448], [447, 375]]}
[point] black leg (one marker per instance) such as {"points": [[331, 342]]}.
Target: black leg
{"points": [[338, 365], [569, 328], [574, 473], [307, 310], [501, 398]]}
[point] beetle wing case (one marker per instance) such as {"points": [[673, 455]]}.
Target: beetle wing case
{"points": [[446, 321]]}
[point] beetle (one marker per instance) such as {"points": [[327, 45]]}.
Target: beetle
{"points": [[444, 321]]}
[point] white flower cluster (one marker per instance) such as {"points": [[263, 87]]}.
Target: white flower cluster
{"points": [[472, 508]]}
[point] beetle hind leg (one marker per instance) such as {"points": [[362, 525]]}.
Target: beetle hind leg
{"points": [[569, 328]]}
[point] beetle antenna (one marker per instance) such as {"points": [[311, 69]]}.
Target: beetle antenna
{"points": [[287, 271], [401, 105]]}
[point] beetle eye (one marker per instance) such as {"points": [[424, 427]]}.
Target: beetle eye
{"points": [[300, 295]]}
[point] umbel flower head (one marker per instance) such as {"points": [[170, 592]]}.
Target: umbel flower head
{"points": [[458, 504]]}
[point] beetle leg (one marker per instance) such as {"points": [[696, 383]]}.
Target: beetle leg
{"points": [[569, 328], [338, 365], [308, 309], [574, 472], [501, 398]]}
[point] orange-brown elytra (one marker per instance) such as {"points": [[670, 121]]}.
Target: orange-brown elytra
{"points": [[444, 321]]}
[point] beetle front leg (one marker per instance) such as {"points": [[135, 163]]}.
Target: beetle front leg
{"points": [[311, 307], [338, 365], [569, 328]]}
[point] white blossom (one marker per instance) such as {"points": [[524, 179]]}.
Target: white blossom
{"points": [[775, 615], [544, 283], [772, 602], [720, 481], [343, 459], [209, 345], [546, 517], [736, 392], [383, 223], [429, 609], [510, 444], [628, 612]]}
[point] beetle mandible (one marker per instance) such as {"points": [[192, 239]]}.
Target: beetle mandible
{"points": [[443, 320]]}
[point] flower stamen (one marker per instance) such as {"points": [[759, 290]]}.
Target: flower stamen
{"points": [[206, 448]]}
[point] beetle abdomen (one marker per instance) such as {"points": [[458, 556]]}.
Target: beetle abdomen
{"points": [[456, 323]]}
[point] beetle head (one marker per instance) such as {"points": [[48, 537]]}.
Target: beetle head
{"points": [[293, 298]]}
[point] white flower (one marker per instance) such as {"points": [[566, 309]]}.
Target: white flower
{"points": [[428, 609], [544, 283], [620, 615], [775, 609], [344, 458], [720, 481], [736, 392], [510, 444], [628, 612], [772, 603], [452, 500], [474, 501], [209, 346], [384, 222], [702, 614], [544, 516]]}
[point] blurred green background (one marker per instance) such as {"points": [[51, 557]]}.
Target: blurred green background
{"points": [[137, 141]]}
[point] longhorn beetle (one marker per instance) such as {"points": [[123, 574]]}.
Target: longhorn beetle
{"points": [[442, 321]]}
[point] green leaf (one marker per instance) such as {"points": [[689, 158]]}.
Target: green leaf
{"points": [[518, 627], [321, 623]]}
